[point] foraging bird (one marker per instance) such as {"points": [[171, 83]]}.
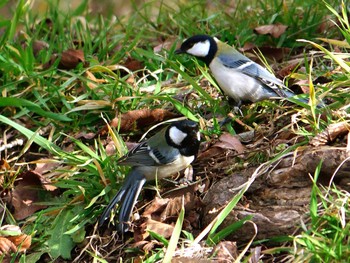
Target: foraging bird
{"points": [[240, 78], [165, 153]]}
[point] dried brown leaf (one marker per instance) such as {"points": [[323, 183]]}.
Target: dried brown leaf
{"points": [[288, 68], [133, 64], [94, 81], [69, 59], [156, 206], [137, 119], [22, 242], [6, 246], [160, 228], [275, 30], [17, 241], [167, 44], [225, 250], [210, 153], [230, 142], [332, 132], [272, 54], [26, 193], [39, 45], [4, 165], [248, 46]]}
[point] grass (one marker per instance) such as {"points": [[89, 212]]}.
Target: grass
{"points": [[55, 108]]}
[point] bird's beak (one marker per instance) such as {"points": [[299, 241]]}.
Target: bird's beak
{"points": [[179, 51]]}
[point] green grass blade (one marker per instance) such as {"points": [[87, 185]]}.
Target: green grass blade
{"points": [[17, 102], [41, 141], [191, 81], [175, 236], [216, 238]]}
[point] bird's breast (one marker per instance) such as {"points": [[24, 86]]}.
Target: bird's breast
{"points": [[166, 170]]}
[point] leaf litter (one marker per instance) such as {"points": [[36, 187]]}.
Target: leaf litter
{"points": [[223, 156]]}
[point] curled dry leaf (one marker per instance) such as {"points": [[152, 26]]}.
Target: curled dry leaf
{"points": [[26, 194], [226, 142], [162, 213], [137, 119], [22, 242], [275, 30], [230, 142], [133, 64], [94, 81], [166, 44], [288, 69], [156, 206], [6, 246], [160, 228], [332, 132], [4, 165], [225, 250], [69, 59], [39, 45], [13, 240]]}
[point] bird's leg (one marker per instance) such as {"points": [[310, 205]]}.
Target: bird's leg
{"points": [[236, 105]]}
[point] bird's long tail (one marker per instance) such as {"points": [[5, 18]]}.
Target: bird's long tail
{"points": [[128, 194]]}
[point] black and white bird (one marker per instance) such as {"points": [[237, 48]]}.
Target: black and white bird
{"points": [[240, 78], [167, 152]]}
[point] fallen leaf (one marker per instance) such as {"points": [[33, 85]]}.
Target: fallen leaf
{"points": [[247, 47], [287, 69], [38, 46], [275, 30], [69, 59], [43, 166], [167, 44], [160, 228], [133, 64], [230, 142], [270, 53], [6, 246], [210, 153], [325, 25], [225, 251], [94, 82], [26, 194], [332, 132], [4, 165], [157, 205], [22, 242], [13, 239], [136, 119]]}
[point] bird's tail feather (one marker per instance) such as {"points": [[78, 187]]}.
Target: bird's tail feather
{"points": [[138, 180], [128, 194]]}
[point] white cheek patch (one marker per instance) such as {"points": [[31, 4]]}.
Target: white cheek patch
{"points": [[198, 136], [176, 135], [200, 49]]}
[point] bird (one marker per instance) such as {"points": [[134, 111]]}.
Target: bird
{"points": [[167, 152], [240, 78]]}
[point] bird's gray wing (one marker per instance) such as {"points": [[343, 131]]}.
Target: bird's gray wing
{"points": [[144, 155], [254, 70]]}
